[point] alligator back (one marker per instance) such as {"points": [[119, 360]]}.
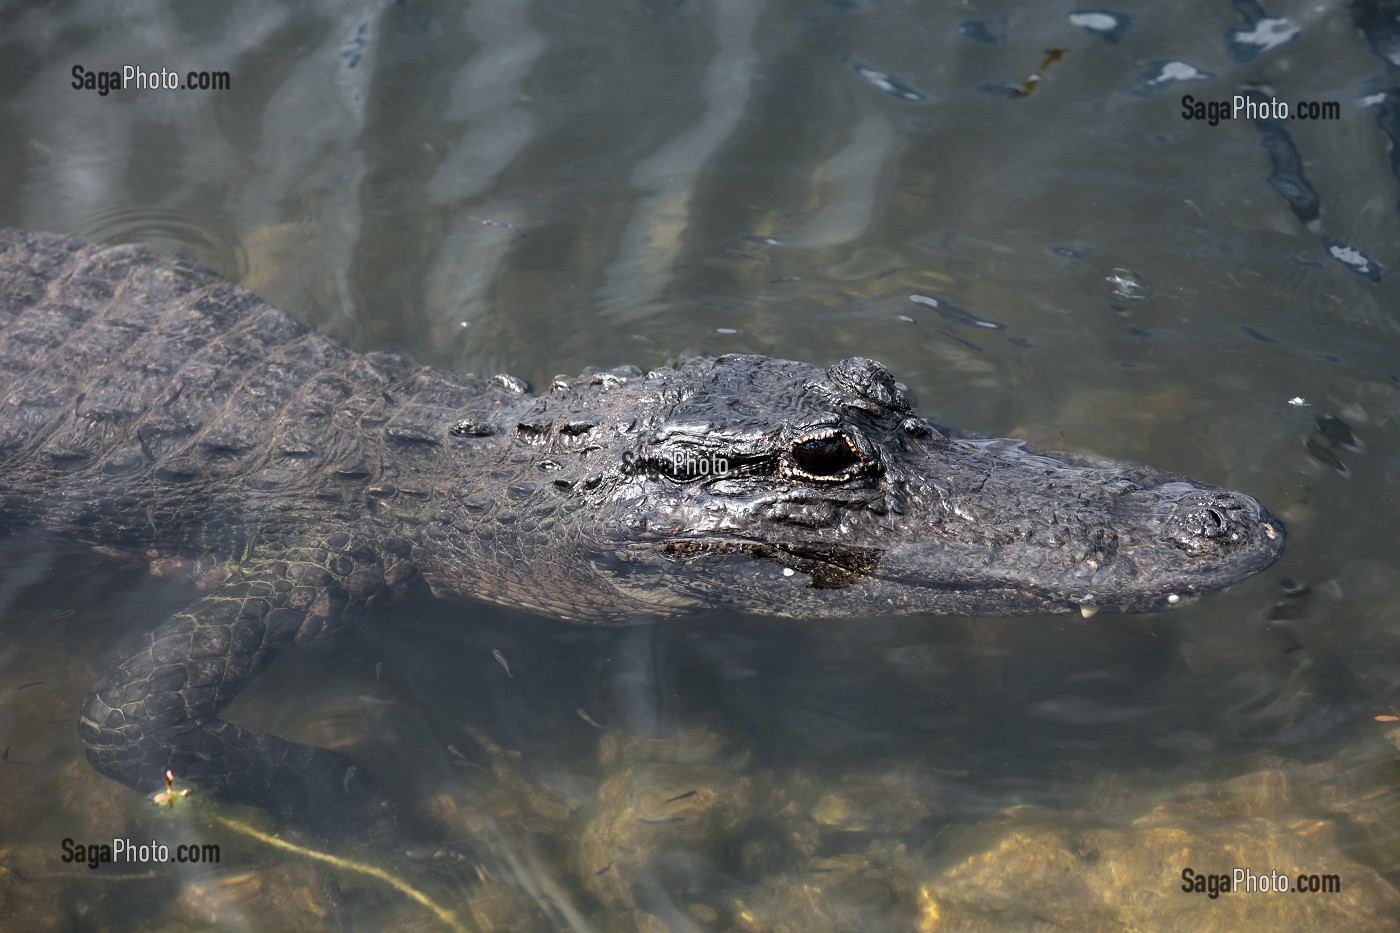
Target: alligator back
{"points": [[144, 400]]}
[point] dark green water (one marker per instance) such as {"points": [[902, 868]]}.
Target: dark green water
{"points": [[534, 188]]}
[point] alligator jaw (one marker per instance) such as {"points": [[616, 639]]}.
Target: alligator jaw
{"points": [[926, 578]]}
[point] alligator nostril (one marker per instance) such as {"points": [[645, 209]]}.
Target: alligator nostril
{"points": [[1208, 521]]}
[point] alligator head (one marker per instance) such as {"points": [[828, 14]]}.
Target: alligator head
{"points": [[772, 487]]}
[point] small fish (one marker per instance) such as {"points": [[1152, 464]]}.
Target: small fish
{"points": [[588, 719], [32, 683], [421, 853], [462, 761], [1326, 456], [689, 793], [349, 776], [501, 660], [6, 759], [366, 698], [506, 224], [604, 870], [665, 822]]}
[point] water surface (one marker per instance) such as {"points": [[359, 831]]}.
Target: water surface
{"points": [[1038, 245]]}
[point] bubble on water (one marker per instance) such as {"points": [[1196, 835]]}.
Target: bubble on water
{"points": [[1103, 23]]}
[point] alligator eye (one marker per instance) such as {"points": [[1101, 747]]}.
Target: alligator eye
{"points": [[825, 456]]}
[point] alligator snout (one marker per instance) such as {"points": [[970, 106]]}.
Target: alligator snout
{"points": [[1218, 520]]}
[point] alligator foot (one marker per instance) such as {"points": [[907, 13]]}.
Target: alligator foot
{"points": [[157, 707]]}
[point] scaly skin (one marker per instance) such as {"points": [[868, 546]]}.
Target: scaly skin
{"points": [[149, 407]]}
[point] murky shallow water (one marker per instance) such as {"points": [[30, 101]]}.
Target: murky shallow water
{"points": [[536, 188]]}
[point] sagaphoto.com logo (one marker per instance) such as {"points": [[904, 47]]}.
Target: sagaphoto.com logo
{"points": [[134, 77], [676, 464]]}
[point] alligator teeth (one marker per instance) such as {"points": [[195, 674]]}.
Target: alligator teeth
{"points": [[1088, 610]]}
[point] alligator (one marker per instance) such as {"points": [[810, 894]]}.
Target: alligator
{"points": [[150, 408]]}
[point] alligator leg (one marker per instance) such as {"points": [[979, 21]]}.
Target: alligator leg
{"points": [[157, 707]]}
